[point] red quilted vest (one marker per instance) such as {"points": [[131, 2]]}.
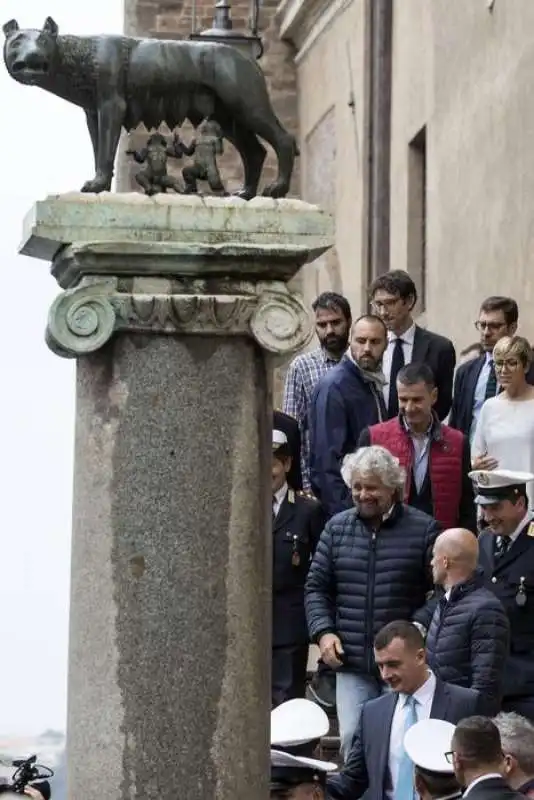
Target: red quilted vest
{"points": [[445, 465]]}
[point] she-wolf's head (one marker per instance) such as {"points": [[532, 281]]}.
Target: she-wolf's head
{"points": [[29, 54]]}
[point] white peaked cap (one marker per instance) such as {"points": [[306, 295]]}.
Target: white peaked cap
{"points": [[279, 438], [297, 722], [281, 759], [426, 743]]}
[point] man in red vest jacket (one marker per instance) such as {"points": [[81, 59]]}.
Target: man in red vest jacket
{"points": [[436, 458]]}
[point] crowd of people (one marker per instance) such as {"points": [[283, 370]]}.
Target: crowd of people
{"points": [[403, 538]]}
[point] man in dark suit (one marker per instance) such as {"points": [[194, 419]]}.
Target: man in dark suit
{"points": [[297, 525], [376, 761], [393, 297], [478, 760], [507, 560], [288, 425], [476, 379]]}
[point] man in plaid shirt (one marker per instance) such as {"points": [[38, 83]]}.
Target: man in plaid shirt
{"points": [[332, 325]]}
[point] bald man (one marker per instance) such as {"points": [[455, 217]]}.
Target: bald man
{"points": [[468, 637]]}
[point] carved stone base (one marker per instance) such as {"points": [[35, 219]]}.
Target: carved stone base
{"points": [[176, 265], [83, 319]]}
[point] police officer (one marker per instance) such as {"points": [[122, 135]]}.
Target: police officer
{"points": [[288, 425], [428, 745], [507, 559], [297, 524], [296, 727]]}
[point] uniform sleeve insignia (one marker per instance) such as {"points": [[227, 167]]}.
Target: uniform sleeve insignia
{"points": [[307, 495], [530, 531]]}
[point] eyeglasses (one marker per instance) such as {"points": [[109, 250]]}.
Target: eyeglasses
{"points": [[490, 326], [382, 305], [449, 757], [508, 363]]}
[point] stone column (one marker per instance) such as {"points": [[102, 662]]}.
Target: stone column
{"points": [[175, 308]]}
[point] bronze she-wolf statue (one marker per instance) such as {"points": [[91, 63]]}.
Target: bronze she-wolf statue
{"points": [[120, 82]]}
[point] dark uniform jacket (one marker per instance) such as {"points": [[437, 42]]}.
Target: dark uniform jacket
{"points": [[493, 789], [360, 580], [468, 640], [511, 578], [296, 531]]}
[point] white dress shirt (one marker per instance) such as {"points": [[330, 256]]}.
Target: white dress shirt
{"points": [[479, 780], [407, 349], [278, 498], [424, 697]]}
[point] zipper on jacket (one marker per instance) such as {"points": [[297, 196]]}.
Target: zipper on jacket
{"points": [[369, 611]]}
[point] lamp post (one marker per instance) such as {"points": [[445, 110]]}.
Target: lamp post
{"points": [[223, 31]]}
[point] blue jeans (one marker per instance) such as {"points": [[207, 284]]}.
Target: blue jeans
{"points": [[352, 691]]}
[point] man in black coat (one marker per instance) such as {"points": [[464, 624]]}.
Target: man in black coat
{"points": [[468, 637], [374, 761], [371, 566], [393, 297], [507, 561], [297, 525], [476, 380], [478, 760]]}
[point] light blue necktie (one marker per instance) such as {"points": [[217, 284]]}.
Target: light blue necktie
{"points": [[405, 789]]}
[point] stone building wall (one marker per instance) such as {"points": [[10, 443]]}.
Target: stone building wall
{"points": [[462, 164]]}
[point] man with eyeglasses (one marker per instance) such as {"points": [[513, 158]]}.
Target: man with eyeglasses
{"points": [[476, 380], [393, 297]]}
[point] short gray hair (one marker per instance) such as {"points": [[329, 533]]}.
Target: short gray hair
{"points": [[376, 461], [517, 739]]}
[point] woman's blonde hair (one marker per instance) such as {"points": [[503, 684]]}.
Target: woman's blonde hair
{"points": [[516, 346]]}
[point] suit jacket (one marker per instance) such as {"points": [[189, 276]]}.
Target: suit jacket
{"points": [[493, 789], [296, 531], [367, 766], [505, 576], [288, 425], [463, 398], [438, 353]]}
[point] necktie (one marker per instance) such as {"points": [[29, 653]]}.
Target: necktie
{"points": [[397, 363], [404, 789], [491, 386], [502, 546], [274, 506]]}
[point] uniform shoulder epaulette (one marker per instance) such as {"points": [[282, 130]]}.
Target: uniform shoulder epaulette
{"points": [[530, 531]]}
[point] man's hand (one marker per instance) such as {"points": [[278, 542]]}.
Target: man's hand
{"points": [[331, 648], [484, 461], [31, 791]]}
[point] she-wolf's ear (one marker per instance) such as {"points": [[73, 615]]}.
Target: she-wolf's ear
{"points": [[10, 27], [51, 27]]}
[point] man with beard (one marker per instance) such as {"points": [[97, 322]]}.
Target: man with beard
{"points": [[371, 566], [346, 400], [332, 326]]}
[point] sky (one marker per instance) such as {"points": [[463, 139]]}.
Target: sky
{"points": [[45, 150]]}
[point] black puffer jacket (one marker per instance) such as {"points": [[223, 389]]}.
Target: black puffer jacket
{"points": [[359, 580], [468, 641]]}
